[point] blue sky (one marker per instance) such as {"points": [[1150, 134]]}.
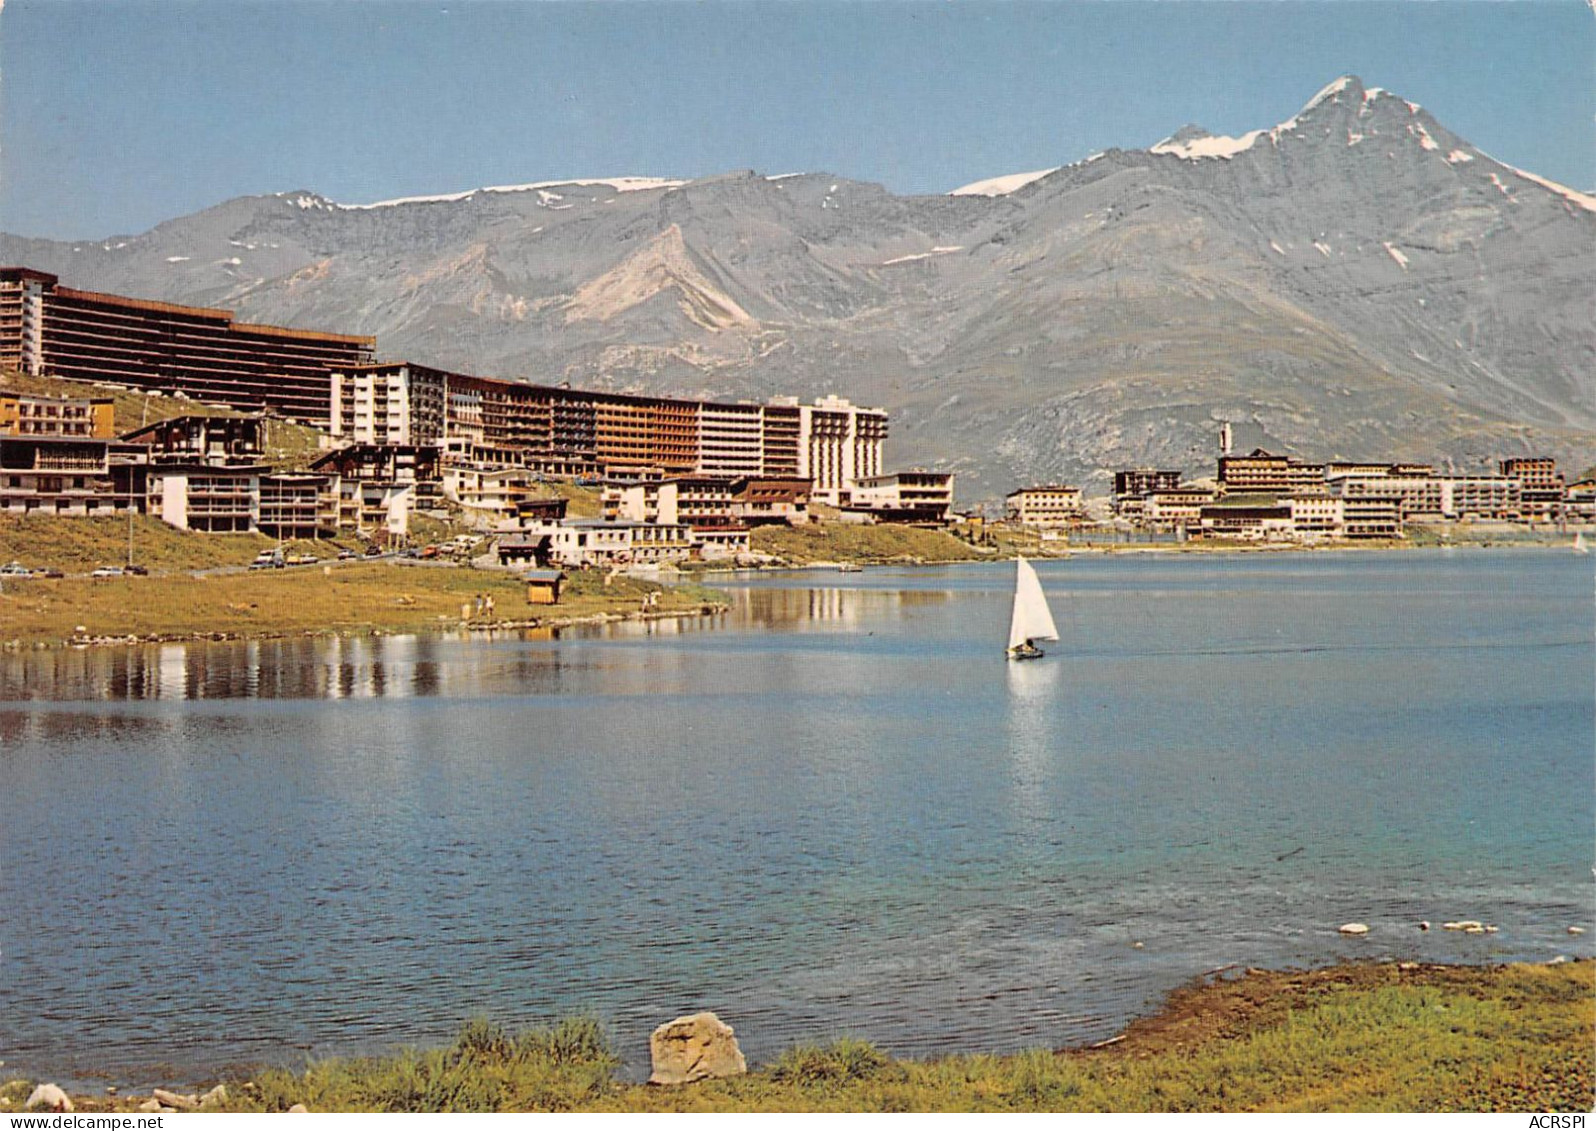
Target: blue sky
{"points": [[116, 116]]}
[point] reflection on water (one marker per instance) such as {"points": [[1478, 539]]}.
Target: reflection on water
{"points": [[836, 807], [410, 666]]}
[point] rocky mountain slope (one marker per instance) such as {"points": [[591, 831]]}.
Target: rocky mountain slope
{"points": [[1355, 282]]}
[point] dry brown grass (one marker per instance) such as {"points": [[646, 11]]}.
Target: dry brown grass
{"points": [[349, 597]]}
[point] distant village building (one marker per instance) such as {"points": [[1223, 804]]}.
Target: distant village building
{"points": [[1542, 493], [1050, 507], [1138, 482], [1370, 518], [1580, 500], [72, 475], [196, 438], [378, 486], [1262, 470], [1175, 508], [1246, 517], [211, 500], [295, 504], [206, 474], [701, 503], [595, 542], [762, 502], [22, 414], [921, 498], [1315, 517]]}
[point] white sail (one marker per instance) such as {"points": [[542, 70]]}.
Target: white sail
{"points": [[1032, 620], [1579, 544]]}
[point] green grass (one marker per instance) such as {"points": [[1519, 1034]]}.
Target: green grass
{"points": [[559, 1068], [1358, 1037], [847, 542], [76, 544]]}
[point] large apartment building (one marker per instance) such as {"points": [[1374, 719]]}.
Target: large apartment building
{"points": [[201, 352], [559, 431]]}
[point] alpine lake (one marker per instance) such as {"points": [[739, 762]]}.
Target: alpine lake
{"points": [[836, 809]]}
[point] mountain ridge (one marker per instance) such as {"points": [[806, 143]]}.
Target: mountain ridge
{"points": [[1357, 281]]}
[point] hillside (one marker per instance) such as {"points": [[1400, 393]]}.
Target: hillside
{"points": [[1356, 282]]}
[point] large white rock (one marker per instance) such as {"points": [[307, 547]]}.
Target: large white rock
{"points": [[50, 1096], [1354, 928], [696, 1047]]}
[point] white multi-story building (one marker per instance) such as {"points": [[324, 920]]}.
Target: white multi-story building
{"points": [[1048, 507], [838, 442], [1452, 497], [392, 402], [903, 496], [1317, 516], [595, 542], [731, 440]]}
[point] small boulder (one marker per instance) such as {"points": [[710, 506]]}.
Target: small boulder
{"points": [[299, 1109], [50, 1096], [1354, 928], [1464, 925], [1424, 924], [697, 1047], [217, 1095], [172, 1099], [1576, 930], [152, 1105]]}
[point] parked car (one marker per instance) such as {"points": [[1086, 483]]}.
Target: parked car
{"points": [[137, 570], [345, 555], [429, 551], [48, 571], [109, 571], [302, 559], [15, 569]]}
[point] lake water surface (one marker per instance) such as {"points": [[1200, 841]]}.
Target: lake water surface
{"points": [[836, 809]]}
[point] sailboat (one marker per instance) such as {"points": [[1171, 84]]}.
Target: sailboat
{"points": [[1032, 620], [1579, 543]]}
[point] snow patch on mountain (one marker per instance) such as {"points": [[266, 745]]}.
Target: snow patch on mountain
{"points": [[1199, 148], [1002, 186], [619, 184], [922, 255], [1584, 200]]}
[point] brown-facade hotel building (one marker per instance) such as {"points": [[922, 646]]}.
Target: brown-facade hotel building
{"points": [[50, 330]]}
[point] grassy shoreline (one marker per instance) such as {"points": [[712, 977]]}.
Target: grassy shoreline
{"points": [[198, 590], [1353, 1037], [351, 598]]}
